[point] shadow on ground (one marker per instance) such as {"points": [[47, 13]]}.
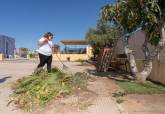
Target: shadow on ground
{"points": [[111, 74], [4, 79]]}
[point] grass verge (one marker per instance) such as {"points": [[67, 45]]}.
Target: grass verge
{"points": [[131, 87], [39, 88]]}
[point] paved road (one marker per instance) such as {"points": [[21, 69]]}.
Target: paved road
{"points": [[10, 71]]}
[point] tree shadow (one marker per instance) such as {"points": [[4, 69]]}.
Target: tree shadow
{"points": [[99, 74], [4, 79], [119, 76]]}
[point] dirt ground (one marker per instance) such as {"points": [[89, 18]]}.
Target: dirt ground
{"points": [[97, 100], [144, 104]]}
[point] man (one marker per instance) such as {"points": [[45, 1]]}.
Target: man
{"points": [[45, 51]]}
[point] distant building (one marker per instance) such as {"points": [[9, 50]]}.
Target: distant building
{"points": [[23, 52], [74, 50], [7, 45]]}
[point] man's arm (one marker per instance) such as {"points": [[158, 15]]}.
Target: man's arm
{"points": [[42, 42]]}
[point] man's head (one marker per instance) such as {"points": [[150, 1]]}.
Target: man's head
{"points": [[48, 35]]}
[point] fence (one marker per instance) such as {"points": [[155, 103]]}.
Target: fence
{"points": [[135, 43], [158, 71]]}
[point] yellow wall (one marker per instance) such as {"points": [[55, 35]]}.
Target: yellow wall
{"points": [[89, 51], [1, 57], [74, 57]]}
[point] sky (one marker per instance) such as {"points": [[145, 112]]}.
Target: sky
{"points": [[28, 20]]}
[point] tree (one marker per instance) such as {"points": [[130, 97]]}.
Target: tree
{"points": [[101, 36], [23, 49], [148, 15]]}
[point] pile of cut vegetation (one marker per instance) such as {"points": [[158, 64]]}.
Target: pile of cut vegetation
{"points": [[41, 87]]}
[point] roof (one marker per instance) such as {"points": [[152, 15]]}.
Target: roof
{"points": [[74, 42]]}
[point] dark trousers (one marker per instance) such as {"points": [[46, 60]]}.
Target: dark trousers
{"points": [[45, 60]]}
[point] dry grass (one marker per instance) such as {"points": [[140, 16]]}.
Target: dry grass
{"points": [[41, 87]]}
